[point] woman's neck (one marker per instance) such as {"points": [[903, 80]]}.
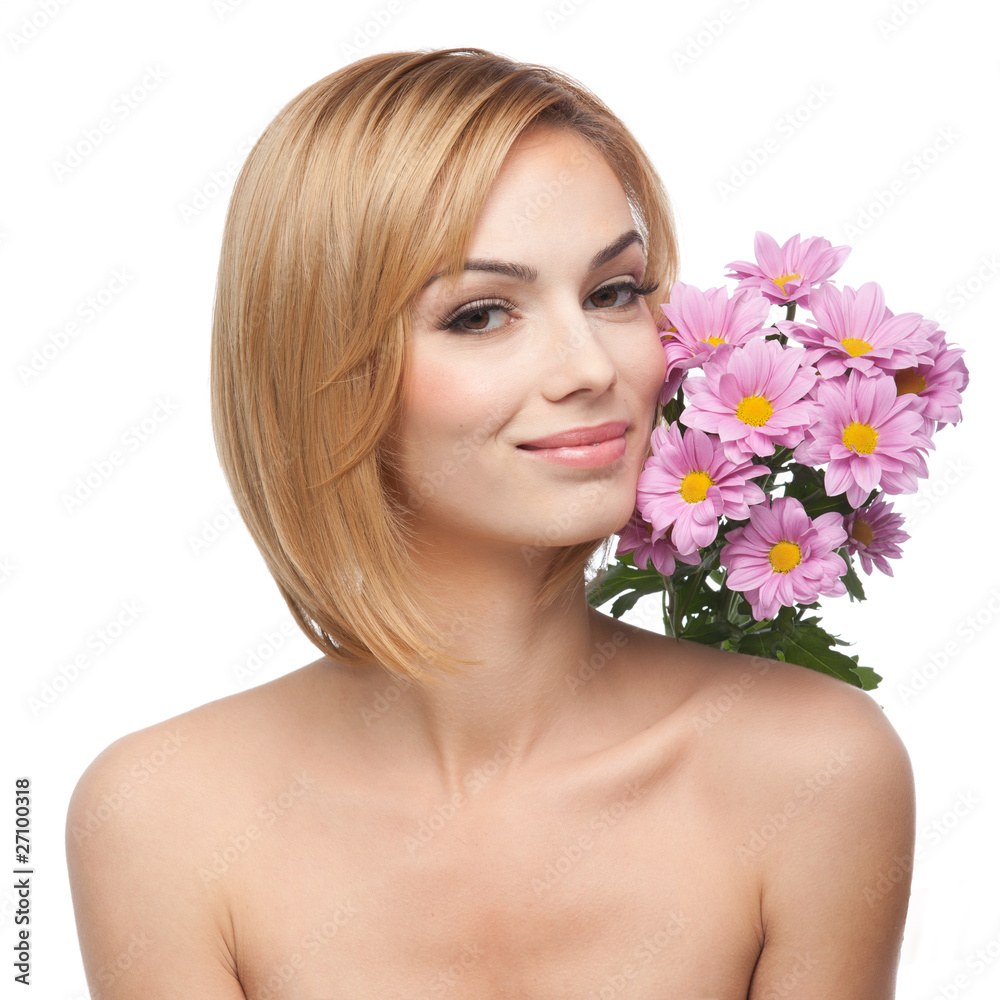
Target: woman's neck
{"points": [[526, 696]]}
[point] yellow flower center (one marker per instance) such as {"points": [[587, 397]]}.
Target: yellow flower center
{"points": [[861, 438], [910, 380], [783, 279], [694, 486], [854, 347], [784, 556], [862, 532], [714, 341], [754, 410]]}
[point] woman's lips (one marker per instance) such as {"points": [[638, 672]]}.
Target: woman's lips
{"points": [[585, 436], [582, 447]]}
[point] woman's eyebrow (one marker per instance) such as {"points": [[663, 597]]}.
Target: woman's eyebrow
{"points": [[519, 271], [522, 272], [612, 250]]}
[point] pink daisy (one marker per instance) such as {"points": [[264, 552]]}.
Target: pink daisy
{"points": [[688, 484], [753, 398], [787, 273], [935, 387], [637, 537], [783, 557], [672, 381], [874, 533], [855, 330], [702, 320], [869, 436]]}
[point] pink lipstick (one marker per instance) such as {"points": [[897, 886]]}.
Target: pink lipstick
{"points": [[583, 447]]}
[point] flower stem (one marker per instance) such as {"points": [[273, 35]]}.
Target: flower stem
{"points": [[668, 607], [730, 606]]}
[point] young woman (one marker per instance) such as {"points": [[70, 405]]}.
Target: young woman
{"points": [[436, 367]]}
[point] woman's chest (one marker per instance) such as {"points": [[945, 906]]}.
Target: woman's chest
{"points": [[628, 896]]}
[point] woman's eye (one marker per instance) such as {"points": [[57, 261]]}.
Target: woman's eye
{"points": [[618, 295], [477, 318]]}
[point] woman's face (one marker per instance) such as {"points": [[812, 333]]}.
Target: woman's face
{"points": [[541, 335]]}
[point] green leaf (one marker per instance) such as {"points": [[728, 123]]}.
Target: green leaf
{"points": [[869, 679], [625, 603], [671, 411], [709, 563], [785, 620], [693, 599], [851, 579], [766, 643], [640, 588], [620, 577], [822, 504], [805, 481], [808, 485], [809, 646], [709, 633]]}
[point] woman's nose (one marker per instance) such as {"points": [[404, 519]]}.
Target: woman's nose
{"points": [[575, 357]]}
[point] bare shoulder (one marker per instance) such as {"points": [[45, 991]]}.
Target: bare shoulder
{"points": [[144, 821], [808, 726], [778, 719], [184, 757], [822, 816]]}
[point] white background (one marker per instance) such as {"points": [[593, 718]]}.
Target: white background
{"points": [[702, 85]]}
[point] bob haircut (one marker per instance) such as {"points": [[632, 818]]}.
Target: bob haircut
{"points": [[354, 195]]}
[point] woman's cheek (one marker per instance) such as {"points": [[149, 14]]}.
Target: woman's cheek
{"points": [[451, 409], [649, 367]]}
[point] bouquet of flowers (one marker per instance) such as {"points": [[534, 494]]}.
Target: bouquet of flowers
{"points": [[775, 453]]}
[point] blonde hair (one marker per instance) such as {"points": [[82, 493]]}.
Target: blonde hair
{"points": [[353, 196]]}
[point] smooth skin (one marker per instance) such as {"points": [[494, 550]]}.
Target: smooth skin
{"points": [[593, 809]]}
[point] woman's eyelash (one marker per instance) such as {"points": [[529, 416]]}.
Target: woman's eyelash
{"points": [[637, 289], [634, 290], [479, 306], [453, 320]]}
